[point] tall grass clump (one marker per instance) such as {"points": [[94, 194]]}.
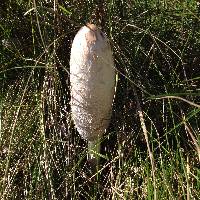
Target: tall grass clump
{"points": [[152, 147]]}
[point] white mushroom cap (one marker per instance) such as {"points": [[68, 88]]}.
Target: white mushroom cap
{"points": [[92, 79]]}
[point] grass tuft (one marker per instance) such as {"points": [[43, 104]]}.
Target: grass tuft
{"points": [[153, 154]]}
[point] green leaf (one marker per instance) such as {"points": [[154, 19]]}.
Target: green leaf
{"points": [[65, 11]]}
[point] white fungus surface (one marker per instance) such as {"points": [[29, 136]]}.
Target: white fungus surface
{"points": [[92, 79]]}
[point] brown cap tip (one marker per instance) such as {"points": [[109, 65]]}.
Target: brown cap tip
{"points": [[92, 26]]}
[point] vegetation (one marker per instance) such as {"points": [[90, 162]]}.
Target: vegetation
{"points": [[151, 149]]}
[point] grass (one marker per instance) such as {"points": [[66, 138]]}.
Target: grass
{"points": [[151, 149]]}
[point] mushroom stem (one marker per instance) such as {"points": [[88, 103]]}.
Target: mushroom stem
{"points": [[94, 149]]}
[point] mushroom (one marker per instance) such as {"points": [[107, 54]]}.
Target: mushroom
{"points": [[92, 79]]}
